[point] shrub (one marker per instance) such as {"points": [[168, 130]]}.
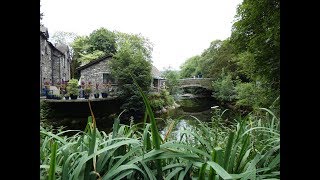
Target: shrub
{"points": [[224, 88], [253, 95], [72, 87]]}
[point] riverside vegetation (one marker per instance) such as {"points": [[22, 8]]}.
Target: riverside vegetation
{"points": [[247, 149], [245, 68]]}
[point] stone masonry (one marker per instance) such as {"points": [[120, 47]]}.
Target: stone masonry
{"points": [[54, 61], [94, 71]]}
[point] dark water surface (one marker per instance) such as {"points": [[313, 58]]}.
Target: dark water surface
{"points": [[184, 116]]}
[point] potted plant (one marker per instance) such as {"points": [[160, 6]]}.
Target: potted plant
{"points": [[47, 85], [96, 94], [72, 88], [87, 90], [46, 89], [66, 96], [58, 85], [82, 84], [104, 92], [58, 96], [49, 94]]}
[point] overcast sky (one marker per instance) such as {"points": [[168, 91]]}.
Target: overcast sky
{"points": [[178, 29]]}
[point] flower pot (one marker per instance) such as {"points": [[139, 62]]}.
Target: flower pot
{"points": [[66, 97], [73, 96], [97, 95], [57, 97], [104, 95], [49, 96], [86, 96]]}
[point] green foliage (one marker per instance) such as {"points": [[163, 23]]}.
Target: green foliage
{"points": [[63, 37], [245, 61], [132, 58], [102, 40], [45, 110], [224, 88], [160, 100], [165, 95], [257, 31], [86, 58], [156, 102], [220, 55], [72, 87], [172, 80], [250, 55], [253, 95], [249, 149], [190, 67], [99, 43]]}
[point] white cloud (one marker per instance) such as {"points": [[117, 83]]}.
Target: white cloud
{"points": [[179, 29]]}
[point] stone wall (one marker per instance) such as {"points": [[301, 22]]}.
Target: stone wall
{"points": [[45, 61], [54, 64], [65, 61], [95, 72], [56, 71], [67, 68]]}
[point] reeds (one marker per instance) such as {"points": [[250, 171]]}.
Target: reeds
{"points": [[250, 149]]}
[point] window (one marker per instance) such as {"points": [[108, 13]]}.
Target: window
{"points": [[107, 78], [63, 62]]}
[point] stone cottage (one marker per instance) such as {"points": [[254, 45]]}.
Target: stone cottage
{"points": [[54, 61], [97, 71], [157, 80]]}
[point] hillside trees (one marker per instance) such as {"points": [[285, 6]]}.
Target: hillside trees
{"points": [[250, 57], [256, 38]]}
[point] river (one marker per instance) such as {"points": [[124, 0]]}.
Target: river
{"points": [[185, 116]]}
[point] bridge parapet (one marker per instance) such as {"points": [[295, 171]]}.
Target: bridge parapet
{"points": [[196, 82]]}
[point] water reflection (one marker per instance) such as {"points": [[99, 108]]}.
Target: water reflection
{"points": [[184, 117]]}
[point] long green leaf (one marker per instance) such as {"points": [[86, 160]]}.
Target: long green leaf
{"points": [[202, 172], [52, 169], [156, 139], [121, 168], [149, 172], [173, 173], [183, 174], [219, 170], [228, 150]]}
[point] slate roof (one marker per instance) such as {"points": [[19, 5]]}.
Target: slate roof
{"points": [[156, 73], [62, 47], [94, 62], [44, 32]]}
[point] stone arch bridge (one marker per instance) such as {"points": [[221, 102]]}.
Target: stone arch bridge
{"points": [[196, 82]]}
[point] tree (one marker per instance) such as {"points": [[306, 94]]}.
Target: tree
{"points": [[133, 57], [67, 38], [102, 40], [62, 37], [224, 88], [41, 15], [256, 38], [190, 67], [172, 80], [257, 32], [99, 43], [220, 55]]}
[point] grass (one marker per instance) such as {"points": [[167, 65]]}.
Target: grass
{"points": [[249, 149]]}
